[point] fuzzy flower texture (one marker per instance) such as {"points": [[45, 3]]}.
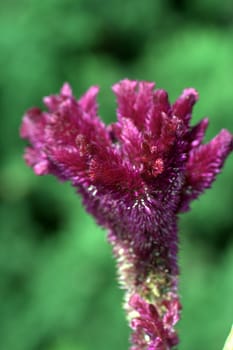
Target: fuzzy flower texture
{"points": [[135, 176]]}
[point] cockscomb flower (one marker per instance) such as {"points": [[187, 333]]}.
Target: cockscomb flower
{"points": [[135, 176]]}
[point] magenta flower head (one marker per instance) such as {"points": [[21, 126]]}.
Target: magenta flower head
{"points": [[135, 176]]}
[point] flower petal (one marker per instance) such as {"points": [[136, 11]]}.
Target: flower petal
{"points": [[203, 165], [182, 108], [134, 100]]}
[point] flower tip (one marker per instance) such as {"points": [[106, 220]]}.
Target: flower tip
{"points": [[23, 131], [225, 140], [205, 122], [183, 106], [124, 85], [29, 118], [95, 89], [41, 168], [66, 90], [190, 94]]}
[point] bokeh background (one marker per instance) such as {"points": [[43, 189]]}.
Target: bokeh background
{"points": [[58, 288]]}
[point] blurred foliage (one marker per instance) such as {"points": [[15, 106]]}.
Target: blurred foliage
{"points": [[58, 288]]}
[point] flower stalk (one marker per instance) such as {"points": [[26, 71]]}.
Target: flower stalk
{"points": [[135, 176]]}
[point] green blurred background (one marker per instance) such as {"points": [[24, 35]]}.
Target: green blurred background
{"points": [[58, 288]]}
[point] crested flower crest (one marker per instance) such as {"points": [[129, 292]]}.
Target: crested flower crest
{"points": [[135, 176]]}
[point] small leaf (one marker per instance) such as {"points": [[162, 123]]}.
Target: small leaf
{"points": [[229, 342]]}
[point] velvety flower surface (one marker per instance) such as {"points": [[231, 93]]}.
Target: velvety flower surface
{"points": [[134, 176]]}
